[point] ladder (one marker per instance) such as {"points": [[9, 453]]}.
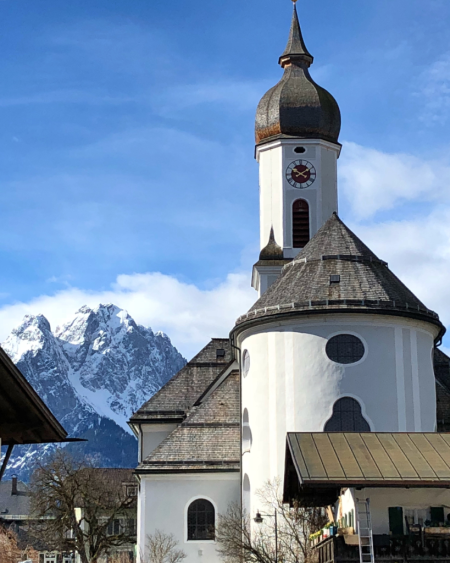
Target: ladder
{"points": [[365, 531]]}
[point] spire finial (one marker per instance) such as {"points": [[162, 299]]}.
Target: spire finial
{"points": [[295, 49]]}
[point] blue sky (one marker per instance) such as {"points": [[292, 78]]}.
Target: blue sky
{"points": [[126, 149]]}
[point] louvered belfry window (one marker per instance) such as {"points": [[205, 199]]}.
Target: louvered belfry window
{"points": [[201, 520], [300, 223]]}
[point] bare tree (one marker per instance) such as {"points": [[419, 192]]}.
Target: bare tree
{"points": [[9, 550], [163, 548], [243, 541], [79, 508]]}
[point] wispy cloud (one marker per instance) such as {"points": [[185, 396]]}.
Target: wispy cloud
{"points": [[418, 251], [372, 180], [68, 97], [434, 90]]}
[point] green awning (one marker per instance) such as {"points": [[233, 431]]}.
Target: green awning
{"points": [[321, 461]]}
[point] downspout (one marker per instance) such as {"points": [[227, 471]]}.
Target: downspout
{"points": [[232, 340]]}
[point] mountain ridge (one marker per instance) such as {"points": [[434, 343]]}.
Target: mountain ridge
{"points": [[93, 372]]}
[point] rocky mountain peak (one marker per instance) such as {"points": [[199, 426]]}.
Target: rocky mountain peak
{"points": [[98, 366]]}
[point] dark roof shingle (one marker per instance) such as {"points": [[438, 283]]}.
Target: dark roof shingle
{"points": [[209, 438], [183, 390], [366, 283]]}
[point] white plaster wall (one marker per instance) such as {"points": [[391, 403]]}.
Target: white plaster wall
{"points": [[277, 195], [163, 503], [381, 499], [292, 384]]}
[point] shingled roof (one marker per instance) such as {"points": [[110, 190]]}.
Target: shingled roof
{"points": [[174, 400], [361, 282], [209, 438]]}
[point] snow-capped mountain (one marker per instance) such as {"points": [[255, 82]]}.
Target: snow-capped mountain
{"points": [[93, 373]]}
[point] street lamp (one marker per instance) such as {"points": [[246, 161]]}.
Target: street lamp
{"points": [[259, 520]]}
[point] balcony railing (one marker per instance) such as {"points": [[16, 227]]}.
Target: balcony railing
{"points": [[386, 548]]}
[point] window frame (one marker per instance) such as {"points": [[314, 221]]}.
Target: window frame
{"points": [[351, 333], [186, 512], [308, 207], [246, 363]]}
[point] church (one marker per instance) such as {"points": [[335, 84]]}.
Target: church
{"points": [[332, 382]]}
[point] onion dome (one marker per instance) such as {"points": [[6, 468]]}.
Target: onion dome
{"points": [[272, 250], [297, 106], [336, 272]]}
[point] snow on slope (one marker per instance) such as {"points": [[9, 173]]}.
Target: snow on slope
{"points": [[98, 366]]}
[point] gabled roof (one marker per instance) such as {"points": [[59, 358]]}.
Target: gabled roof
{"points": [[365, 282], [209, 438], [24, 418], [174, 400], [12, 505], [369, 459]]}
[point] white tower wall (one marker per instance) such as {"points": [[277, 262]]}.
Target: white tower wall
{"points": [[277, 195], [292, 385]]}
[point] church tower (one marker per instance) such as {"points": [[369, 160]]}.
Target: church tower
{"points": [[335, 342], [297, 129]]}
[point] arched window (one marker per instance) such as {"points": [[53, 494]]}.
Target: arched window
{"points": [[246, 495], [246, 432], [347, 417], [201, 520], [300, 223]]}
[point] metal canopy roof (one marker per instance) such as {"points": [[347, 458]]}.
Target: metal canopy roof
{"points": [[321, 460]]}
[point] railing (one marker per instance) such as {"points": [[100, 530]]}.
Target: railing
{"points": [[386, 548]]}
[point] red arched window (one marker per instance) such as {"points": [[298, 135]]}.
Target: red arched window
{"points": [[300, 223]]}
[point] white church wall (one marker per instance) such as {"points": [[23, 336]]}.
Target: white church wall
{"points": [[163, 504], [277, 195], [292, 385], [152, 435]]}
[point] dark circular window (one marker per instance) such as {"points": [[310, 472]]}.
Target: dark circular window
{"points": [[345, 349], [299, 150], [245, 363]]}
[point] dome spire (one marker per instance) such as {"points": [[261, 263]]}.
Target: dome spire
{"points": [[297, 106], [295, 48]]}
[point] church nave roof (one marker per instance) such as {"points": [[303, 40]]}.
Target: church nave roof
{"points": [[173, 401], [209, 438], [336, 271]]}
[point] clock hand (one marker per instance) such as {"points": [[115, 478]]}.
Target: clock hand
{"points": [[302, 173]]}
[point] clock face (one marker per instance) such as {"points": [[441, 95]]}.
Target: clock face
{"points": [[300, 174]]}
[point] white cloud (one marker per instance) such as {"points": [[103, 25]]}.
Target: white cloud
{"points": [[373, 181], [189, 315], [418, 252], [434, 90]]}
